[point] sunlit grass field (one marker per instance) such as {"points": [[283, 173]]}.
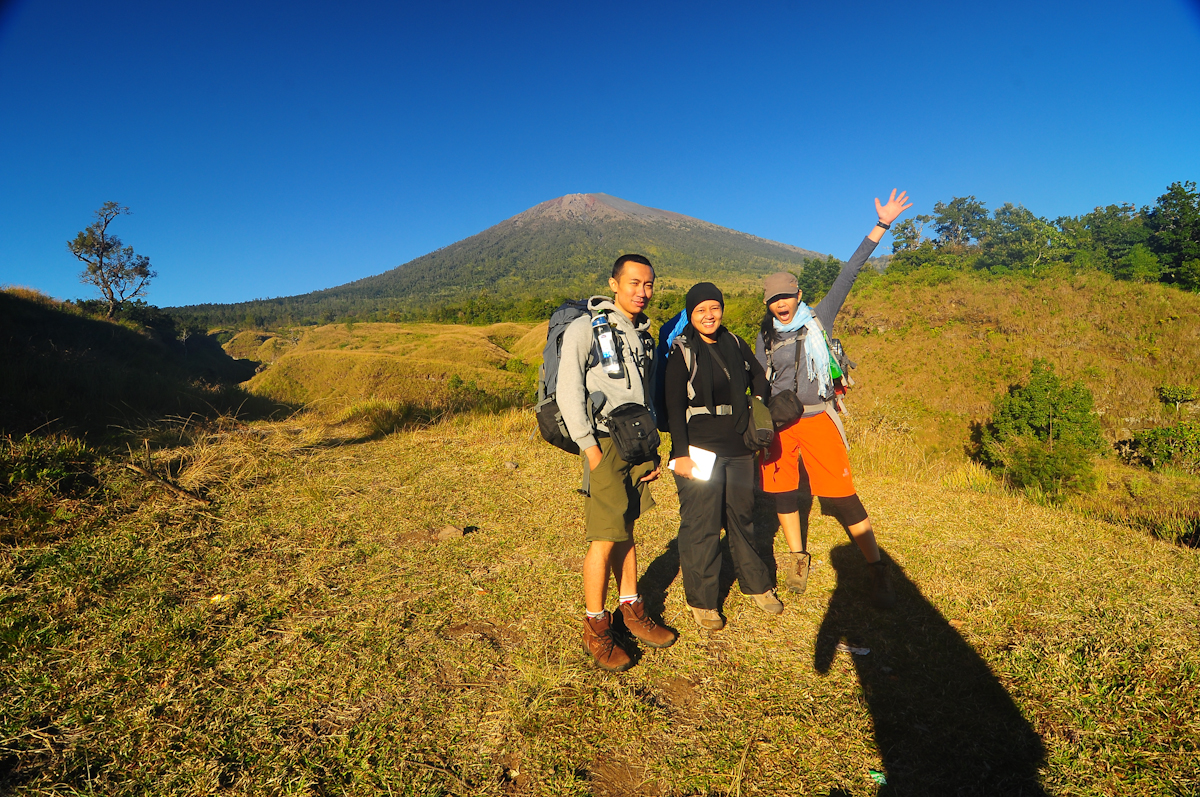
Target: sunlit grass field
{"points": [[305, 631], [306, 634]]}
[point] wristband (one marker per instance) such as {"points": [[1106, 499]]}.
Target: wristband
{"points": [[884, 226]]}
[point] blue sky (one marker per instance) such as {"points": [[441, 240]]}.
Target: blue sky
{"points": [[273, 149]]}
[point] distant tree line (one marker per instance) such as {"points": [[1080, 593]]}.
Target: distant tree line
{"points": [[1158, 243]]}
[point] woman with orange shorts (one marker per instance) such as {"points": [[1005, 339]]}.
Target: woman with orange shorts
{"points": [[808, 456]]}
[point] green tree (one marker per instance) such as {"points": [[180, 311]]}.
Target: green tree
{"points": [[1015, 238], [1174, 224], [1115, 229], [1177, 394], [118, 273], [817, 276], [1138, 265], [909, 233], [962, 220]]}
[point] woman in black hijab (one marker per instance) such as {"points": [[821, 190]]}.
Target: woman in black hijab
{"points": [[708, 374]]}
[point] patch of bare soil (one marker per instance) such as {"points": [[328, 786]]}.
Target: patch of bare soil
{"points": [[498, 636], [618, 777], [680, 695]]}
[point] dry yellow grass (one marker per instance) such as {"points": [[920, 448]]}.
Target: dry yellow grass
{"points": [[336, 365], [305, 635], [944, 351]]}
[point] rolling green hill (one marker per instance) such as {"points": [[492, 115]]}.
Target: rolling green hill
{"points": [[564, 247]]}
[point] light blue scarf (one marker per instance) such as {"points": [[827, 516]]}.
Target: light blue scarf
{"points": [[816, 354]]}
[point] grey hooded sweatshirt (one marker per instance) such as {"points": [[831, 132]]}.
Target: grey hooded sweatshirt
{"points": [[576, 381]]}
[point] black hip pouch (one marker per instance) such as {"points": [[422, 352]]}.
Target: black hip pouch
{"points": [[633, 432], [786, 408]]}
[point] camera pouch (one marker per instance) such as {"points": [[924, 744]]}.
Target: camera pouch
{"points": [[634, 433], [760, 429], [785, 408]]}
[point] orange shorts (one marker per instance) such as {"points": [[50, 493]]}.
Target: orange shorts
{"points": [[815, 445]]}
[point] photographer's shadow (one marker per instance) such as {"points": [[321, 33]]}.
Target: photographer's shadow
{"points": [[943, 723]]}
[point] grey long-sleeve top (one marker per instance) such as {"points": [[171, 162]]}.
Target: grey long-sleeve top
{"points": [[576, 381], [783, 358]]}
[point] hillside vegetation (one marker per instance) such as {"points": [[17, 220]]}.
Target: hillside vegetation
{"points": [[65, 370], [424, 365], [932, 356]]}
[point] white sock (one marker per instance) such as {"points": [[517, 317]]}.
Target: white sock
{"points": [[634, 598], [594, 615]]}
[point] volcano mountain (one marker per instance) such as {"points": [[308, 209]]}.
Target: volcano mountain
{"points": [[560, 248]]}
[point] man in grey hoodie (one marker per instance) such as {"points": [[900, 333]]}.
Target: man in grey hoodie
{"points": [[618, 491]]}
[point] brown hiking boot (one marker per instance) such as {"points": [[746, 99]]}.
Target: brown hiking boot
{"points": [[768, 602], [598, 641], [644, 628], [882, 592], [708, 619], [798, 565]]}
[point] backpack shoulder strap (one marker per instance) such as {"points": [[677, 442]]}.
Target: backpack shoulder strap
{"points": [[689, 361]]}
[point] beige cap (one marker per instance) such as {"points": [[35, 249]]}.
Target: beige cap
{"points": [[780, 284]]}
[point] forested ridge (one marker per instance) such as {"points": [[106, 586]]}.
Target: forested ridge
{"points": [[1158, 243]]}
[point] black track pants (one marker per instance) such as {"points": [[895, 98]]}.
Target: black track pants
{"points": [[727, 498]]}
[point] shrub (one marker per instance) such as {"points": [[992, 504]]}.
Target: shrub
{"points": [[1176, 394], [1046, 470], [1043, 434], [1177, 446]]}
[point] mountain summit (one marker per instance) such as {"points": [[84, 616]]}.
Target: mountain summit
{"points": [[559, 248], [596, 208]]}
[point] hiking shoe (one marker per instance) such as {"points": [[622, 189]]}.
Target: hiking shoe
{"points": [[881, 589], [598, 641], [643, 626], [768, 602], [708, 619], [798, 565]]}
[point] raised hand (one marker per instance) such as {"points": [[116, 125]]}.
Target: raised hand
{"points": [[894, 207]]}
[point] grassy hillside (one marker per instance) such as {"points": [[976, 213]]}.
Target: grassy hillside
{"points": [[335, 366], [66, 371], [942, 351], [305, 634], [931, 358]]}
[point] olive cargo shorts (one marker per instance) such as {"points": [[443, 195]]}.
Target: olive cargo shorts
{"points": [[617, 495]]}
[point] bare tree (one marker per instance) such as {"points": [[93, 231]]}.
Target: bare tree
{"points": [[114, 269]]}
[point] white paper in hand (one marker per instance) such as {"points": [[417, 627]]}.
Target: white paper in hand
{"points": [[702, 460]]}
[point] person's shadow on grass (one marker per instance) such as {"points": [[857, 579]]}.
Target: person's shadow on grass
{"points": [[943, 723], [653, 584]]}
